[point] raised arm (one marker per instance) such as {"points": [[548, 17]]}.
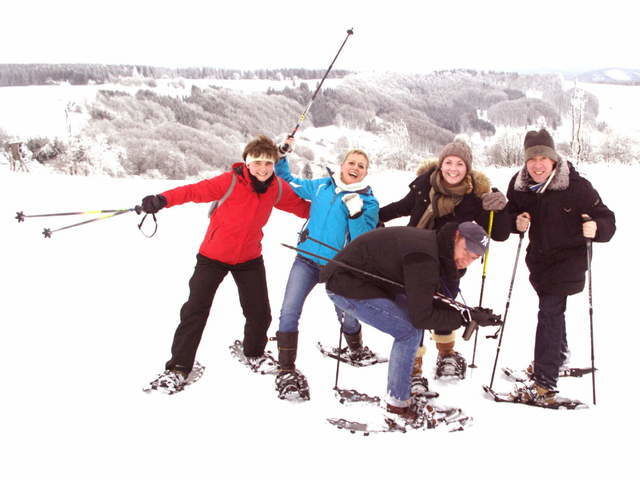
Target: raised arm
{"points": [[303, 187]]}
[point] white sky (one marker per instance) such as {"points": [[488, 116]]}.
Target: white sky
{"points": [[397, 35]]}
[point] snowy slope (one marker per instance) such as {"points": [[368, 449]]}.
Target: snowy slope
{"points": [[88, 317]]}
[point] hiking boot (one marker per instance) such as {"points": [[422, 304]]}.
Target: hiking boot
{"points": [[534, 394], [451, 364]]}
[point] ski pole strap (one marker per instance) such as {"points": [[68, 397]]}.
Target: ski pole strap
{"points": [[155, 221]]}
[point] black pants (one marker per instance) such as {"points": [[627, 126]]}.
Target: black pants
{"points": [[252, 289], [551, 340]]}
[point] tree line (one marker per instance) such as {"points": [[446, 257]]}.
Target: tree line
{"points": [[12, 75]]}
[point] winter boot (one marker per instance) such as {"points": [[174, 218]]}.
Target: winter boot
{"points": [[169, 382], [357, 352], [417, 362], [287, 351], [450, 363], [291, 384]]}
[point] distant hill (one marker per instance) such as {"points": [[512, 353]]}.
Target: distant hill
{"points": [[620, 76]]}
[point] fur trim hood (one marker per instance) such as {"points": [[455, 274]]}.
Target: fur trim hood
{"points": [[559, 182], [481, 183]]}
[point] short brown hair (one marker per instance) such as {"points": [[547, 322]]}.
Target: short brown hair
{"points": [[261, 146], [356, 151]]}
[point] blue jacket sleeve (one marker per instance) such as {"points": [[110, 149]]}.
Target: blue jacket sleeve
{"points": [[303, 187], [367, 220]]}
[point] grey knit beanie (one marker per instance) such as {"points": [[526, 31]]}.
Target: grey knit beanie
{"points": [[459, 149]]}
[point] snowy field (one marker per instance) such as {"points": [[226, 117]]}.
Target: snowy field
{"points": [[88, 318]]}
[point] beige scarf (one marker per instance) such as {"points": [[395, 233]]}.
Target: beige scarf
{"points": [[443, 198]]}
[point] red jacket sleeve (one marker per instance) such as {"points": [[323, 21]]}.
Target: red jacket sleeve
{"points": [[201, 192], [290, 202]]}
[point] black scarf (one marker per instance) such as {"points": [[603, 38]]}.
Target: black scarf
{"points": [[258, 186]]}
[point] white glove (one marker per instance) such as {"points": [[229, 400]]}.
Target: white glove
{"points": [[353, 202]]}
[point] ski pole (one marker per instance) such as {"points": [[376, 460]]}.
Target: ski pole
{"points": [[506, 309], [20, 216], [285, 146], [47, 232], [586, 218], [485, 262], [460, 307], [335, 387]]}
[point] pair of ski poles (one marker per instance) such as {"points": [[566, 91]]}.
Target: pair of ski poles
{"points": [[104, 214]]}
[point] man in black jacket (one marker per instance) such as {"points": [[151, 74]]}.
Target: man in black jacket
{"points": [[419, 260], [561, 210]]}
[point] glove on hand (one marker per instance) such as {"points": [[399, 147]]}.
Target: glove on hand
{"points": [[153, 203], [286, 147], [484, 317], [494, 201], [353, 202]]}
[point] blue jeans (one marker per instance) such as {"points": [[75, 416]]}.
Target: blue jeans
{"points": [[391, 317], [304, 275], [551, 340]]}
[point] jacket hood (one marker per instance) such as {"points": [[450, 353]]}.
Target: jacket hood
{"points": [[481, 183]]}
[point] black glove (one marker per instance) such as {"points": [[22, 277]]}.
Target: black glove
{"points": [[153, 203], [484, 317]]}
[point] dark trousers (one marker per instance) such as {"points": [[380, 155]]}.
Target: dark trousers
{"points": [[551, 340], [251, 281]]}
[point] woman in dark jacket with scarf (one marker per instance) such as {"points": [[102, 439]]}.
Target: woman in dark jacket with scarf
{"points": [[449, 190]]}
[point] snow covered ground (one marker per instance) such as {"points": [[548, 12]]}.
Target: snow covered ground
{"points": [[88, 317]]}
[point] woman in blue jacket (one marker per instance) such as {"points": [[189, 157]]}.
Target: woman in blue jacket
{"points": [[342, 207]]}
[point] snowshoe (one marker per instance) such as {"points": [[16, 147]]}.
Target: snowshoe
{"points": [[451, 365], [264, 364], [173, 381], [529, 394], [292, 386], [421, 415], [363, 357]]}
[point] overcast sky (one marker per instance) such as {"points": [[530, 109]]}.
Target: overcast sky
{"points": [[398, 35]]}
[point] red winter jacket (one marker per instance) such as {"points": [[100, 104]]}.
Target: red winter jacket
{"points": [[235, 228]]}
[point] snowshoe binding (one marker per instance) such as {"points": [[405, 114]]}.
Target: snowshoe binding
{"points": [[451, 365], [174, 381], [362, 357], [264, 364], [529, 393], [292, 386]]}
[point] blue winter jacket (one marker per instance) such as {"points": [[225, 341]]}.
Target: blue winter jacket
{"points": [[329, 220]]}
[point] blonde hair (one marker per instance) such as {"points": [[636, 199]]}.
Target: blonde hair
{"points": [[358, 152]]}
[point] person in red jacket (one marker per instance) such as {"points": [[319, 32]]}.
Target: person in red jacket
{"points": [[231, 244]]}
